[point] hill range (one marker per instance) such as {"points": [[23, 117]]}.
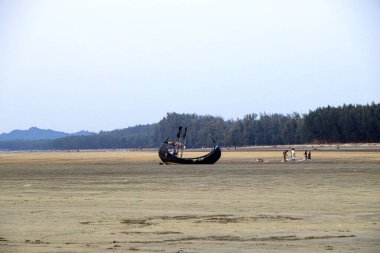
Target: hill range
{"points": [[35, 133]]}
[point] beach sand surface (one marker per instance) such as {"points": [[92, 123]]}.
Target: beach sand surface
{"points": [[125, 201]]}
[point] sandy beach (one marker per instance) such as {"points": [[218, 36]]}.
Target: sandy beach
{"points": [[124, 201]]}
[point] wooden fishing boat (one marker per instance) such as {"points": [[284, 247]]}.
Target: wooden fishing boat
{"points": [[175, 156]]}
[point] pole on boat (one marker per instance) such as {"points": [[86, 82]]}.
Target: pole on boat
{"points": [[213, 142], [184, 141], [178, 139], [179, 132]]}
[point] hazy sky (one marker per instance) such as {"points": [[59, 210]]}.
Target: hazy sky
{"points": [[101, 65]]}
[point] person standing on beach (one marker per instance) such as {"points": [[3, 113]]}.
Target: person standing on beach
{"points": [[305, 155], [293, 155], [285, 154], [309, 156]]}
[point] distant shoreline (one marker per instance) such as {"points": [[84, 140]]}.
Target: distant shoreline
{"points": [[347, 147], [365, 147]]}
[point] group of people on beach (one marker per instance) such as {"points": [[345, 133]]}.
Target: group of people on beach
{"points": [[307, 155]]}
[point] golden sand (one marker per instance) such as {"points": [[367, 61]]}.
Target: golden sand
{"points": [[126, 202]]}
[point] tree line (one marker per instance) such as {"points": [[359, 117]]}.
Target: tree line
{"points": [[343, 124]]}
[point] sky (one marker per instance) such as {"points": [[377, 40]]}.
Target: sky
{"points": [[102, 65]]}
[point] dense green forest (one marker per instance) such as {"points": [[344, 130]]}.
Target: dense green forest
{"points": [[343, 124]]}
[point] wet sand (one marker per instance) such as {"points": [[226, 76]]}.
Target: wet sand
{"points": [[127, 202]]}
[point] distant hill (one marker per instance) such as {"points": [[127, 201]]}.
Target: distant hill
{"points": [[35, 133]]}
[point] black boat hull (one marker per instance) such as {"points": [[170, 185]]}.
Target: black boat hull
{"points": [[209, 158]]}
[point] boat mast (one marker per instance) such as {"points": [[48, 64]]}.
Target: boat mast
{"points": [[184, 141], [178, 143]]}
